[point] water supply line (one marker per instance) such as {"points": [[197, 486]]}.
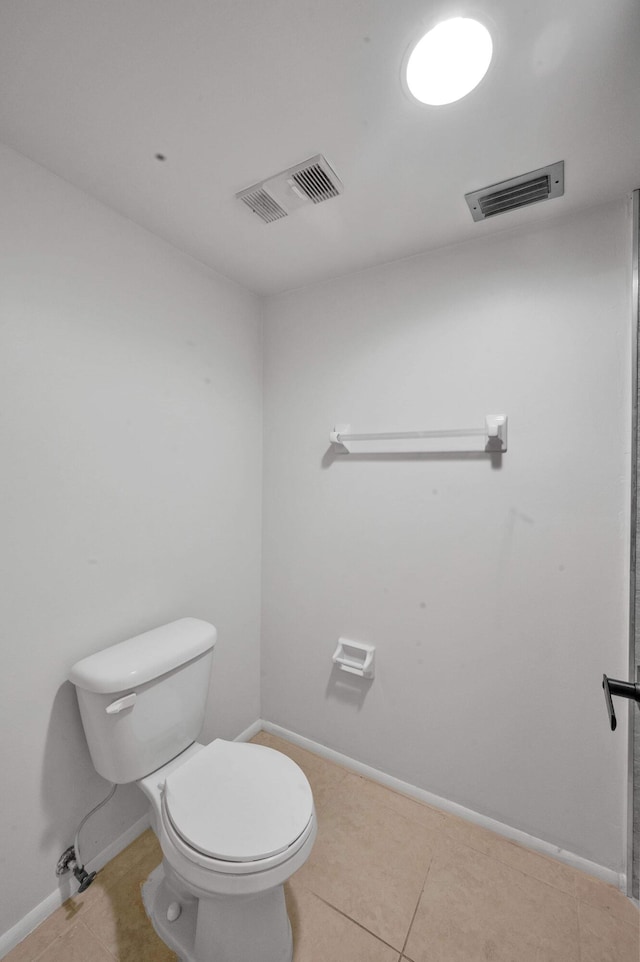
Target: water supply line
{"points": [[71, 858]]}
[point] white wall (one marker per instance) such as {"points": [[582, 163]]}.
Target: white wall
{"points": [[130, 407], [130, 419], [496, 596]]}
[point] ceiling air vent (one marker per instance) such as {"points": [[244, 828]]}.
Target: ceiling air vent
{"points": [[542, 184], [315, 180], [312, 181], [262, 204]]}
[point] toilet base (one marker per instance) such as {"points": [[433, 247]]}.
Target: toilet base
{"points": [[237, 928], [180, 934]]}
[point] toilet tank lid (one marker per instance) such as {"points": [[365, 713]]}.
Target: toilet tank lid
{"points": [[147, 656]]}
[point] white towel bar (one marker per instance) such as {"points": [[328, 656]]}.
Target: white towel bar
{"points": [[494, 432]]}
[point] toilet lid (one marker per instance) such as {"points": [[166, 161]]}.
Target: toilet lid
{"points": [[238, 802]]}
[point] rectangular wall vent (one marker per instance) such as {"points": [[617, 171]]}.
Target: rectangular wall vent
{"points": [[311, 182], [543, 184], [262, 204]]}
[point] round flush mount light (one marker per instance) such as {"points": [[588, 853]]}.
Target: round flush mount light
{"points": [[449, 61]]}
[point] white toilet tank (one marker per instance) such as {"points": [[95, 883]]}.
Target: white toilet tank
{"points": [[142, 701]]}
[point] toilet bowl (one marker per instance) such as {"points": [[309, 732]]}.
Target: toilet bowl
{"points": [[234, 820]]}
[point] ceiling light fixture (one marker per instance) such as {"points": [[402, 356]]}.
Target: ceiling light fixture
{"points": [[449, 61]]}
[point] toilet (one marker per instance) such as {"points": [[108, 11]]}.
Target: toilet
{"points": [[234, 820]]}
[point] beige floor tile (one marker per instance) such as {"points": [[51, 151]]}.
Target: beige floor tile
{"points": [[604, 938], [120, 922], [467, 833], [34, 945], [606, 897], [369, 862], [320, 933], [475, 908], [76, 945], [373, 793], [538, 866], [323, 775]]}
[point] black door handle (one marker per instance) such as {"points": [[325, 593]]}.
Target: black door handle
{"points": [[625, 689]]}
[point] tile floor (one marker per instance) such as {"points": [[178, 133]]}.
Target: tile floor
{"points": [[389, 879]]}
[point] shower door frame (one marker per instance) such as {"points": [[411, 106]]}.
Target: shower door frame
{"points": [[633, 808]]}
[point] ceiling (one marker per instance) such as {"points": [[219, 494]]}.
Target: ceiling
{"points": [[233, 91]]}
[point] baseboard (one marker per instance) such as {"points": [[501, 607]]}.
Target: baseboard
{"points": [[513, 834], [249, 732], [36, 916]]}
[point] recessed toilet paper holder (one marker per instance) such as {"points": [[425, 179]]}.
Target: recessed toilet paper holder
{"points": [[358, 659]]}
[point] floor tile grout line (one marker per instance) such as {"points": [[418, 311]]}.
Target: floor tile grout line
{"points": [[40, 954], [579, 931], [520, 871], [349, 918], [415, 911], [62, 935], [530, 851], [55, 938], [434, 812], [58, 938], [97, 938], [613, 915]]}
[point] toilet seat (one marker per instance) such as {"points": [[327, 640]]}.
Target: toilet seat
{"points": [[236, 803]]}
